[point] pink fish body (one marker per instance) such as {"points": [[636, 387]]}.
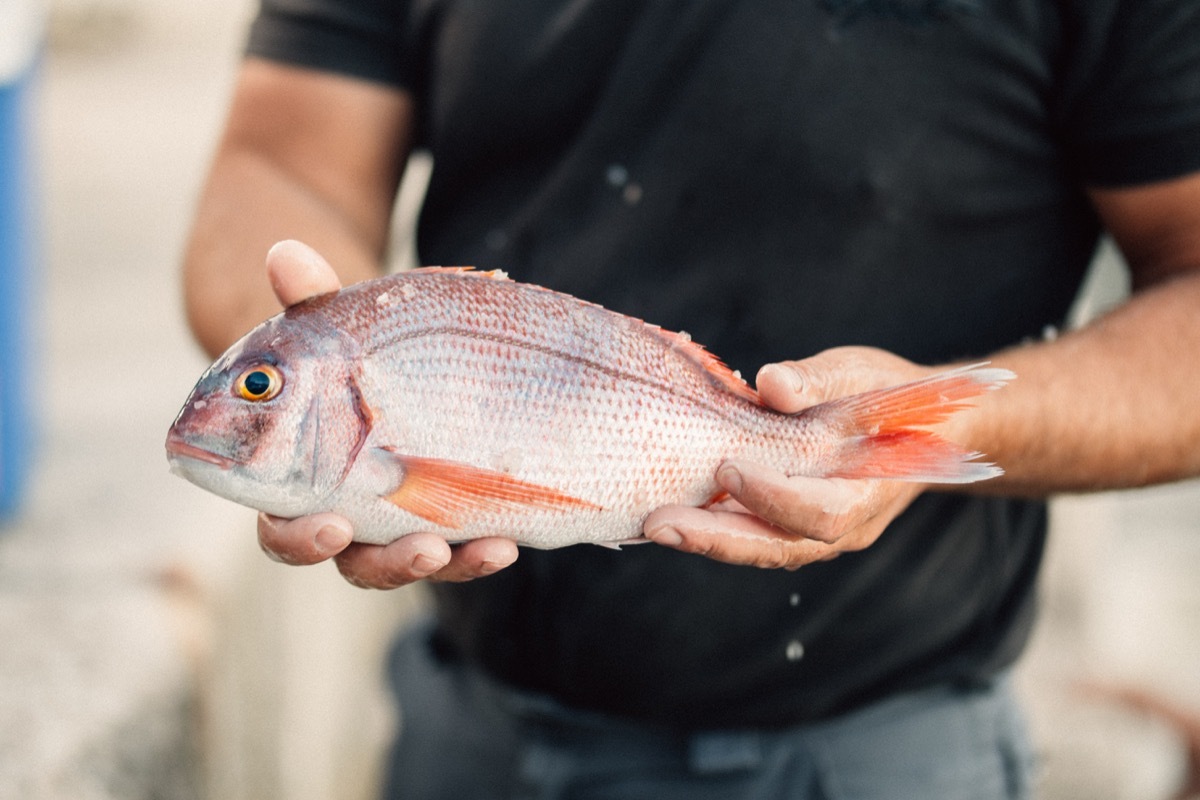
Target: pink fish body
{"points": [[469, 405]]}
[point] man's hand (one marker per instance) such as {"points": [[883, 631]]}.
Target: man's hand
{"points": [[772, 520], [298, 272]]}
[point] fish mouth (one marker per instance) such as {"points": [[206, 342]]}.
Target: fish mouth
{"points": [[177, 447]]}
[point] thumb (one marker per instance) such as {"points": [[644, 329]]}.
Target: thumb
{"points": [[792, 386], [298, 272]]}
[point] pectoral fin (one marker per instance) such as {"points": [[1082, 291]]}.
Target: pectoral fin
{"points": [[451, 494]]}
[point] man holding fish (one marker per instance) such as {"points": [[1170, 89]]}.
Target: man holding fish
{"points": [[841, 195]]}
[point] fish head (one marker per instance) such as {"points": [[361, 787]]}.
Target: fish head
{"points": [[277, 421]]}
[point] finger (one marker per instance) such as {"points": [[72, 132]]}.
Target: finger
{"points": [[297, 272], [733, 538], [476, 559], [783, 387], [306, 540], [408, 559], [727, 503], [824, 509], [792, 386]]}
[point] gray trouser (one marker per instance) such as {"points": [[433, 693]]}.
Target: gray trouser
{"points": [[465, 737]]}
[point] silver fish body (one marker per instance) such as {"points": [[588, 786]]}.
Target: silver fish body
{"points": [[469, 405]]}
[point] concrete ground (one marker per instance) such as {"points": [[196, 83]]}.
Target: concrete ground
{"points": [[152, 651]]}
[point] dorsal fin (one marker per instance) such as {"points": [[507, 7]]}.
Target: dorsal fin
{"points": [[715, 367], [721, 374], [493, 274]]}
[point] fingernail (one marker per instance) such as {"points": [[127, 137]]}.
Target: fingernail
{"points": [[490, 567], [666, 536], [424, 565], [786, 376], [730, 479], [331, 539]]}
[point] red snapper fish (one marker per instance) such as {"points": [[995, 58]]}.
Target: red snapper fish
{"points": [[470, 405]]}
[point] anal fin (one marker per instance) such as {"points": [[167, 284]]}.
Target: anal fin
{"points": [[617, 545], [717, 370]]}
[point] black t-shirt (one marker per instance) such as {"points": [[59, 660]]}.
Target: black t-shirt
{"points": [[775, 177]]}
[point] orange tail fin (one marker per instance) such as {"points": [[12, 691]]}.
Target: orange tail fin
{"points": [[882, 429]]}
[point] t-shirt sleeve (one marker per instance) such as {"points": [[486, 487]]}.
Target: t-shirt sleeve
{"points": [[359, 38], [1133, 90]]}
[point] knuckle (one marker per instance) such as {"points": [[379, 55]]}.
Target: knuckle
{"points": [[828, 530], [287, 552], [270, 542], [451, 573], [371, 576], [356, 581], [767, 503], [703, 546], [861, 538], [715, 546], [775, 555], [272, 553], [351, 576]]}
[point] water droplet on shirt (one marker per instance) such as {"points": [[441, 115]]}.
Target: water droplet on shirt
{"points": [[794, 600], [795, 650], [616, 175], [496, 240]]}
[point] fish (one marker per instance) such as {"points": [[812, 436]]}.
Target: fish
{"points": [[466, 404]]}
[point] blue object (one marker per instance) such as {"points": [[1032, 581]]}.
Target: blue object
{"points": [[17, 256]]}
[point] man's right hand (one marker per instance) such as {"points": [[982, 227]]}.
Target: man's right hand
{"points": [[298, 272]]}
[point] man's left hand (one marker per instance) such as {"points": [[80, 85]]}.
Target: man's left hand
{"points": [[772, 520]]}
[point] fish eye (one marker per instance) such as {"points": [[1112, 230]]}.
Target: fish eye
{"points": [[259, 383]]}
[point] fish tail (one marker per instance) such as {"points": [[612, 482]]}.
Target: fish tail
{"points": [[882, 431]]}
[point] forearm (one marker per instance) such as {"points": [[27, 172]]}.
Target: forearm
{"points": [[1111, 405], [247, 205], [305, 155]]}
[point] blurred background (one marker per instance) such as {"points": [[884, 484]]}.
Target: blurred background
{"points": [[147, 647]]}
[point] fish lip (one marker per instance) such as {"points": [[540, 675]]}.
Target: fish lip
{"points": [[177, 447]]}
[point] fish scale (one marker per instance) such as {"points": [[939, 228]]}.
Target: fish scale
{"points": [[469, 405], [596, 450]]}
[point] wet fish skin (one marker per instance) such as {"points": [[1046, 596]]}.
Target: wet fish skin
{"points": [[470, 405]]}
